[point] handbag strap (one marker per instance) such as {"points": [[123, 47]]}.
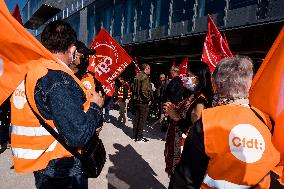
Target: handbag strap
{"points": [[261, 119]]}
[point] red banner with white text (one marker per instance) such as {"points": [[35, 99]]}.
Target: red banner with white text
{"points": [[183, 67], [215, 46], [109, 61]]}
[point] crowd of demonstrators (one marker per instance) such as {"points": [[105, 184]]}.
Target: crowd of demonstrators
{"points": [[218, 151], [199, 94], [213, 140], [123, 98], [55, 95], [143, 95]]}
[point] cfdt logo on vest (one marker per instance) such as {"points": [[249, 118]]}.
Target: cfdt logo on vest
{"points": [[246, 143], [88, 85], [19, 96]]}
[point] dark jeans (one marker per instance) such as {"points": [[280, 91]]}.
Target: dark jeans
{"points": [[73, 182], [122, 111], [141, 115], [4, 132], [107, 107], [61, 173]]}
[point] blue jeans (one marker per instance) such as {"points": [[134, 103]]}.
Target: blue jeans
{"points": [[43, 181], [61, 173]]}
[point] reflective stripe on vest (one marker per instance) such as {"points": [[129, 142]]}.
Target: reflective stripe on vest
{"points": [[30, 153], [222, 184], [30, 131], [120, 92]]}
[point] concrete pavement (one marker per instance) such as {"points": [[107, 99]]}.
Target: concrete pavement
{"points": [[130, 165]]}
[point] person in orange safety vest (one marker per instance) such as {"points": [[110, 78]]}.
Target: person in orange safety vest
{"points": [[230, 146], [52, 91], [123, 95]]}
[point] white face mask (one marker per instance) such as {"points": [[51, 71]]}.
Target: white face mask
{"points": [[187, 83]]}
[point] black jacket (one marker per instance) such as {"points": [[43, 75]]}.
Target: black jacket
{"points": [[174, 91]]}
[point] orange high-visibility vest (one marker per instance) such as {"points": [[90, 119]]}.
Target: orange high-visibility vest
{"points": [[120, 91], [239, 146], [32, 145]]}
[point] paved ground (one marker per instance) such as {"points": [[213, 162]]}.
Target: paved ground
{"points": [[129, 165]]}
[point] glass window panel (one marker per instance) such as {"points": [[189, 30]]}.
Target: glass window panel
{"points": [[178, 10], [129, 17], [189, 12], [74, 21], [234, 4], [156, 13], [118, 12], [214, 6], [90, 23], [107, 16], [164, 19], [144, 14]]}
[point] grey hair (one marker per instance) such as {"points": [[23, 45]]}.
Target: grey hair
{"points": [[175, 69], [232, 77]]}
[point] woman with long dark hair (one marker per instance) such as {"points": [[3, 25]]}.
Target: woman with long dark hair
{"points": [[199, 96]]}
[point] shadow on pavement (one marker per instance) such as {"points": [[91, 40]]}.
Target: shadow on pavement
{"points": [[127, 130], [130, 171], [2, 150], [152, 132]]}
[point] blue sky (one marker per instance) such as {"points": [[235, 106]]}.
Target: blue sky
{"points": [[12, 3]]}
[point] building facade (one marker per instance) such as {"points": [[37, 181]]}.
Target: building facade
{"points": [[160, 31]]}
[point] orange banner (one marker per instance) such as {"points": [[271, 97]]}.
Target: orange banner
{"points": [[267, 91], [19, 50]]}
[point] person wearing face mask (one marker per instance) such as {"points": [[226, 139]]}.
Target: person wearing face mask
{"points": [[188, 111], [230, 147], [52, 93]]}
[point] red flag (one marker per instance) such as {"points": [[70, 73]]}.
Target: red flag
{"points": [[18, 52], [137, 69], [215, 48], [267, 91], [17, 14], [225, 39], [183, 66], [109, 61]]}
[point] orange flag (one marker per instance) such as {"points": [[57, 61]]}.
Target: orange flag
{"points": [[267, 91], [19, 50]]}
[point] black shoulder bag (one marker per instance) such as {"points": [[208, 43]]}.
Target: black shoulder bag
{"points": [[93, 156]]}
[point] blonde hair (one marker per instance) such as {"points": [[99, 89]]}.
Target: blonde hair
{"points": [[175, 69]]}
